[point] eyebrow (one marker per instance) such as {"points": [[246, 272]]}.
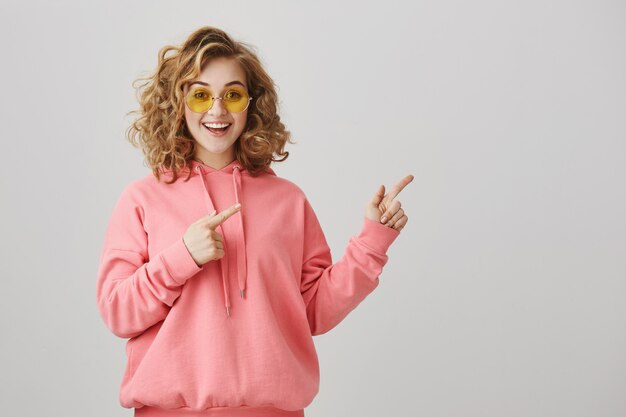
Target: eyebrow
{"points": [[208, 85]]}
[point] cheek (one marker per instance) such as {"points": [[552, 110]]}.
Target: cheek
{"points": [[192, 119], [240, 121]]}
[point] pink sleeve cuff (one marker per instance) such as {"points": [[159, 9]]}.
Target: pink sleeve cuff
{"points": [[179, 262], [377, 236]]}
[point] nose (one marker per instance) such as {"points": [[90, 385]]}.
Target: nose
{"points": [[218, 108]]}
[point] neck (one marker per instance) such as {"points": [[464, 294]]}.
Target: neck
{"points": [[217, 162]]}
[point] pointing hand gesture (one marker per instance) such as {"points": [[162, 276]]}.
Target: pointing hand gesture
{"points": [[386, 209], [202, 241]]}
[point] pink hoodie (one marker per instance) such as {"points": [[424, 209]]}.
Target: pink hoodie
{"points": [[198, 347]]}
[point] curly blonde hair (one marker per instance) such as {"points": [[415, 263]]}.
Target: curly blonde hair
{"points": [[161, 131]]}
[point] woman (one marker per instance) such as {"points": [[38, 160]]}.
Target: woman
{"points": [[212, 215]]}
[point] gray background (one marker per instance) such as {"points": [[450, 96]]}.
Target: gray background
{"points": [[503, 296]]}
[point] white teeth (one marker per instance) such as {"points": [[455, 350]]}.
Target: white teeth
{"points": [[216, 125]]}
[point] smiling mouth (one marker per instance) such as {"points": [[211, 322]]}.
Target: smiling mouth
{"points": [[218, 131]]}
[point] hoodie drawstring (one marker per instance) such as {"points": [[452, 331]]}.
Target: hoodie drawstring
{"points": [[241, 243], [239, 236]]}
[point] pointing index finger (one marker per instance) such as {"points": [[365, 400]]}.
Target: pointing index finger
{"points": [[399, 187], [222, 216]]}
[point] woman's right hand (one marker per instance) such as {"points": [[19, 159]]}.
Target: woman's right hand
{"points": [[202, 241]]}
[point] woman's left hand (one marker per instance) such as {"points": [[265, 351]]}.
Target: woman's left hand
{"points": [[385, 209]]}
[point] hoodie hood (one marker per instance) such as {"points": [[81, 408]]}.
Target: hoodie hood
{"points": [[236, 171]]}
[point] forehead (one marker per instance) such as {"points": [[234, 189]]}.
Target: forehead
{"points": [[221, 72], [198, 83]]}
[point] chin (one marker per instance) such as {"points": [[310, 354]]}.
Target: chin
{"points": [[216, 145]]}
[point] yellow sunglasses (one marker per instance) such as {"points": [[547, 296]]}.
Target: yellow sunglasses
{"points": [[200, 100]]}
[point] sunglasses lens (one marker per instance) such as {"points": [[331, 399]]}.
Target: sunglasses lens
{"points": [[199, 100], [235, 100]]}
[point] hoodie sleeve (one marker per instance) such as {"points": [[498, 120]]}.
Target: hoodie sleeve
{"points": [[331, 291], [132, 291]]}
